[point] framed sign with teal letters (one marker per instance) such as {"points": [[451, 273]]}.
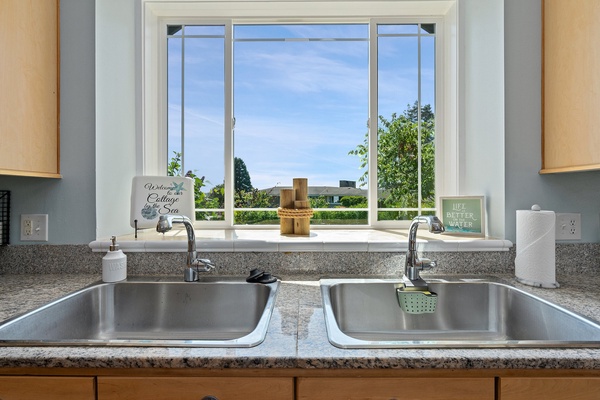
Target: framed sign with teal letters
{"points": [[153, 196], [463, 215]]}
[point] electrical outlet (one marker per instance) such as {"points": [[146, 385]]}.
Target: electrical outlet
{"points": [[568, 226], [34, 227], [27, 229]]}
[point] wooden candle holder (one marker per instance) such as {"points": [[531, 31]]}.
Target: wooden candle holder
{"points": [[294, 211]]}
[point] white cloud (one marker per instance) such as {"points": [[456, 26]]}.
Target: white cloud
{"points": [[305, 69]]}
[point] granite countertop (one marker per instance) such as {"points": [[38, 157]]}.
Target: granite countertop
{"points": [[296, 337]]}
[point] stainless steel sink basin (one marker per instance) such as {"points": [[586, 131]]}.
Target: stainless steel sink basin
{"points": [[365, 314], [144, 313]]}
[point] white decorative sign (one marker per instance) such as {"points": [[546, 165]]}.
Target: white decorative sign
{"points": [[153, 196]]}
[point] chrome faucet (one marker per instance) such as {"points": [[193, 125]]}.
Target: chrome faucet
{"points": [[194, 265], [413, 264]]}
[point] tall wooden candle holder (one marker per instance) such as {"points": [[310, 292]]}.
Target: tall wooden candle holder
{"points": [[294, 209]]}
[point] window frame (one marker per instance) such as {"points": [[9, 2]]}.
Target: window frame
{"points": [[157, 15]]}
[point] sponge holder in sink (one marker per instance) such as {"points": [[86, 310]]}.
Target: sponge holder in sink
{"points": [[416, 301]]}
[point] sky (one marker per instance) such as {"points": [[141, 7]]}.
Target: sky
{"points": [[299, 106]]}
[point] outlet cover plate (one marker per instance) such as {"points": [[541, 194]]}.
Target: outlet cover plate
{"points": [[34, 227], [568, 226]]}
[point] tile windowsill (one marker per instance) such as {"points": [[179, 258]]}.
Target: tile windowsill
{"points": [[269, 240]]}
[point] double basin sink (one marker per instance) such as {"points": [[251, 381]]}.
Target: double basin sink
{"points": [[365, 314], [173, 313], [358, 314]]}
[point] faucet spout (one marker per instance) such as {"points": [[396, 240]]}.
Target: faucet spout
{"points": [[413, 264], [193, 264]]}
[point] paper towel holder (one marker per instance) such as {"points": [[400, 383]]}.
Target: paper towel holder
{"points": [[542, 272]]}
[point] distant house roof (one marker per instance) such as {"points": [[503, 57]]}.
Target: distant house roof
{"points": [[316, 191]]}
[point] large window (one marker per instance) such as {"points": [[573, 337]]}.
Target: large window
{"points": [[307, 100], [350, 106]]}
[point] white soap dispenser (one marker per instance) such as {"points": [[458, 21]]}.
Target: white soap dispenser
{"points": [[114, 263]]}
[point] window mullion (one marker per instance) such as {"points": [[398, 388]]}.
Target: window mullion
{"points": [[228, 126], [182, 140], [373, 125], [419, 133]]}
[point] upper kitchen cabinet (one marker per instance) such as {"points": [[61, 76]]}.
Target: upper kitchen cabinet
{"points": [[29, 88], [571, 86]]}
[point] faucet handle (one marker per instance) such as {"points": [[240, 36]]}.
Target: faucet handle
{"points": [[203, 265], [197, 265], [426, 263]]}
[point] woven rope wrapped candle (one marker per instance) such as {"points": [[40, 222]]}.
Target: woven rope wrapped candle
{"points": [[295, 207]]}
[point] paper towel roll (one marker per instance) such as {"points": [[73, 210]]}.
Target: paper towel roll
{"points": [[535, 262]]}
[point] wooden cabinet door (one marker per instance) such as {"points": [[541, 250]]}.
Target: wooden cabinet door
{"points": [[571, 86], [47, 388], [396, 388], [117, 388], [29, 87], [550, 388]]}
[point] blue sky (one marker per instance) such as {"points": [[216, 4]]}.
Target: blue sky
{"points": [[300, 106]]}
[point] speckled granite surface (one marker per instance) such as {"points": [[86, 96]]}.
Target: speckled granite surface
{"points": [[580, 258], [296, 337], [78, 259]]}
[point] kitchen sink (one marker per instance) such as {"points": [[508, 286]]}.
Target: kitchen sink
{"points": [[219, 313], [365, 314]]}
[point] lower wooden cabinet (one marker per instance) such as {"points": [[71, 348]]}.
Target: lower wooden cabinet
{"points": [[311, 387], [47, 388], [549, 388], [396, 388], [158, 388]]}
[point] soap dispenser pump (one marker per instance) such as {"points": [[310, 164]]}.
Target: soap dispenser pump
{"points": [[114, 263]]}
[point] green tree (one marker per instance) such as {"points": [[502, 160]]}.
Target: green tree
{"points": [[174, 169], [242, 177], [318, 202], [397, 158], [354, 201], [216, 196], [253, 199]]}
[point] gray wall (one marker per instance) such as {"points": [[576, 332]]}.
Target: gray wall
{"points": [[524, 186], [70, 202]]}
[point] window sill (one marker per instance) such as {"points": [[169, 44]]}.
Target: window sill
{"points": [[269, 240]]}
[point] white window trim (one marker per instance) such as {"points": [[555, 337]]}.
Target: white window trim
{"points": [[151, 144]]}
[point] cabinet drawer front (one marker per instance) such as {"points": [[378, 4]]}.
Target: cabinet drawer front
{"points": [[550, 388], [396, 388], [47, 388], [115, 388]]}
